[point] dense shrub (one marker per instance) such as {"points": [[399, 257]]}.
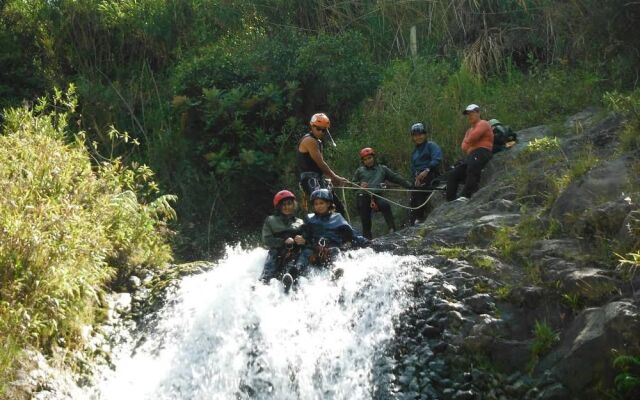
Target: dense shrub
{"points": [[68, 228]]}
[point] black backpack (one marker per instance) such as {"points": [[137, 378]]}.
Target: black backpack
{"points": [[502, 134]]}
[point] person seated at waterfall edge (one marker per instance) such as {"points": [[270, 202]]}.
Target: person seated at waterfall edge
{"points": [[311, 164], [282, 235], [425, 167], [372, 176], [478, 147], [326, 232]]}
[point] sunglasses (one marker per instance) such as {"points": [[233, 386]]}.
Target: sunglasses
{"points": [[320, 129]]}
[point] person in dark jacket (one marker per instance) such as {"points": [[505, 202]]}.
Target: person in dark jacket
{"points": [[312, 167], [282, 235], [372, 176], [478, 146], [425, 166], [325, 233]]}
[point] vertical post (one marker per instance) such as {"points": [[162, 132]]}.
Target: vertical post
{"points": [[413, 43]]}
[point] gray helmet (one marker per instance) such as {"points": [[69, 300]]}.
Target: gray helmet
{"points": [[494, 122], [418, 127], [323, 194]]}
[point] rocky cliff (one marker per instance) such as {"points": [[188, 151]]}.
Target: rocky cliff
{"points": [[532, 301]]}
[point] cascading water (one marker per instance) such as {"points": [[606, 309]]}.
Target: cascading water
{"points": [[223, 335]]}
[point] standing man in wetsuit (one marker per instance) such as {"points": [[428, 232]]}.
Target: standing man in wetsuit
{"points": [[311, 164]]}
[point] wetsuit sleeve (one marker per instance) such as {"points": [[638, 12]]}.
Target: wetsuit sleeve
{"points": [[395, 177], [268, 238], [436, 155], [356, 176]]}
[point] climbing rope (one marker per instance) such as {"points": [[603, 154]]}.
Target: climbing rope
{"points": [[358, 187]]}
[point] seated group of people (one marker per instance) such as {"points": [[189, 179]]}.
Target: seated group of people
{"points": [[294, 244]]}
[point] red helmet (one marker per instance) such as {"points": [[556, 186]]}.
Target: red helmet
{"points": [[320, 120], [281, 195], [367, 151]]}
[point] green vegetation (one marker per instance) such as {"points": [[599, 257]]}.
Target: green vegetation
{"points": [[70, 227], [628, 380], [503, 293], [481, 261], [452, 252], [544, 339], [628, 104]]}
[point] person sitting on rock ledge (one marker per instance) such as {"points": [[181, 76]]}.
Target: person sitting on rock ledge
{"points": [[282, 235], [478, 146], [325, 232]]}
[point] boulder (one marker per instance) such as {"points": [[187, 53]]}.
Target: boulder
{"points": [[604, 183], [591, 284], [582, 361], [605, 220], [485, 227], [526, 296], [566, 249], [480, 303]]}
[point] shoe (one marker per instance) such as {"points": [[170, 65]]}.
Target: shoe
{"points": [[462, 198], [287, 281], [337, 273]]}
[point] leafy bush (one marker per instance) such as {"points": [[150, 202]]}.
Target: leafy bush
{"points": [[69, 228], [628, 380]]}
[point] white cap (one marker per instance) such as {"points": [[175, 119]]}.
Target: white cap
{"points": [[471, 108]]}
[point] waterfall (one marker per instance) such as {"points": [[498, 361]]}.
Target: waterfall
{"points": [[224, 335]]}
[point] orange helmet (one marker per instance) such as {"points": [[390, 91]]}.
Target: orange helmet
{"points": [[320, 120], [367, 151], [281, 195]]}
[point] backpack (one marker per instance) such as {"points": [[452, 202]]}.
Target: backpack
{"points": [[502, 134]]}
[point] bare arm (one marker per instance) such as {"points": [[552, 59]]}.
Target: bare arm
{"points": [[309, 145]]}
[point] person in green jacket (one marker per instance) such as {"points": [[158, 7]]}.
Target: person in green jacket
{"points": [[372, 175], [282, 235]]}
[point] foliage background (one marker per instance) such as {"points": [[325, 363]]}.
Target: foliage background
{"points": [[217, 92]]}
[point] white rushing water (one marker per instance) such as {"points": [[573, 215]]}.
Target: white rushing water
{"points": [[226, 336]]}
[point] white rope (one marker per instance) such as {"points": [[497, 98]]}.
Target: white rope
{"points": [[392, 189], [344, 205], [389, 200]]}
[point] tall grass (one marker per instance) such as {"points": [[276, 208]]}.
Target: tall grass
{"points": [[68, 228]]}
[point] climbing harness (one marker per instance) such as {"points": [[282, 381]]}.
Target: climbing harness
{"points": [[374, 205]]}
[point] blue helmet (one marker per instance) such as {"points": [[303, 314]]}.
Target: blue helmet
{"points": [[418, 128], [323, 194]]}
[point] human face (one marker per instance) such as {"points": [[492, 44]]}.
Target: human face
{"points": [[473, 117], [318, 132], [288, 207], [321, 206], [419, 138], [368, 161]]}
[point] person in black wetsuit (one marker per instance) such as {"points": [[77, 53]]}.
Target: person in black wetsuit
{"points": [[311, 164]]}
